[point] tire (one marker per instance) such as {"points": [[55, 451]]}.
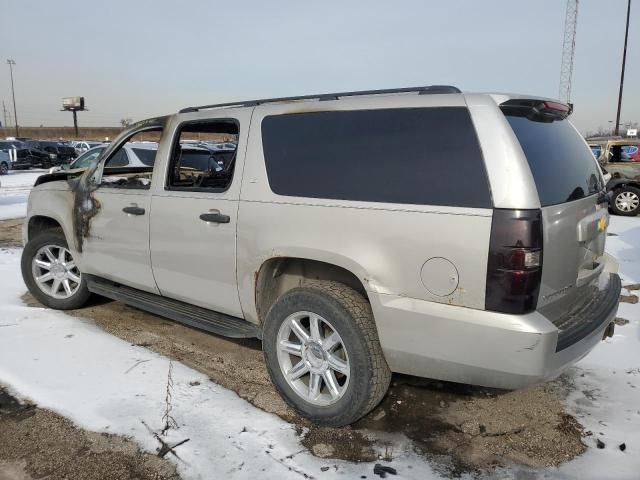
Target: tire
{"points": [[4, 168], [626, 201], [337, 309], [54, 240]]}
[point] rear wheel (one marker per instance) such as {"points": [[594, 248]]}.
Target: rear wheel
{"points": [[322, 351], [626, 201], [4, 168], [51, 274]]}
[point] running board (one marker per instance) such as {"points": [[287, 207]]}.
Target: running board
{"points": [[212, 322]]}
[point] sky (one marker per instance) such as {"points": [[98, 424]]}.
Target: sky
{"points": [[138, 59]]}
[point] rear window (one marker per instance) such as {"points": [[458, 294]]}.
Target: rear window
{"points": [[562, 165], [425, 156]]}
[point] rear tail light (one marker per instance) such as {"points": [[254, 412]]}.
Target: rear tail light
{"points": [[514, 269]]}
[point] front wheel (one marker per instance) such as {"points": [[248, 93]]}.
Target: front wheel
{"points": [[322, 351], [626, 201], [4, 168], [51, 274]]}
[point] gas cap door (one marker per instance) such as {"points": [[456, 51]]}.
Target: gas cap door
{"points": [[439, 276]]}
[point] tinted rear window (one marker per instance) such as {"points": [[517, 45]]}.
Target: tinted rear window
{"points": [[427, 156], [562, 165]]}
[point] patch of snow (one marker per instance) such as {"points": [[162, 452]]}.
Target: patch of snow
{"points": [[14, 192]]}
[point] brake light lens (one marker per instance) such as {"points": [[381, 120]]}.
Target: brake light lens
{"points": [[514, 269], [560, 107]]}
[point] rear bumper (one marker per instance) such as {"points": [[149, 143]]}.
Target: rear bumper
{"points": [[486, 348]]}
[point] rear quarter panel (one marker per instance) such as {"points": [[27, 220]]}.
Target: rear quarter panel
{"points": [[385, 245]]}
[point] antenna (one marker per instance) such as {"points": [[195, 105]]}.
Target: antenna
{"points": [[568, 49]]}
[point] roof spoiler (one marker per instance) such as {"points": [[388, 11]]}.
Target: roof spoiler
{"points": [[537, 110]]}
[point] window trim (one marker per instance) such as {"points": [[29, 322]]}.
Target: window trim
{"points": [[176, 140], [114, 148]]}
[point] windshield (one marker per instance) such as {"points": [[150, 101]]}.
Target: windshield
{"points": [[87, 158], [563, 166]]}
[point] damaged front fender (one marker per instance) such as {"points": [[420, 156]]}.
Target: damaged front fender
{"points": [[85, 205]]}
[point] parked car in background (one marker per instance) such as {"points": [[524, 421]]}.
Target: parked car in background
{"points": [[46, 153], [632, 151], [19, 156], [133, 154], [5, 162], [477, 255], [619, 158], [20, 139], [82, 146]]}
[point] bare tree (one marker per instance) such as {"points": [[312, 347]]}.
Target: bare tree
{"points": [[126, 122]]}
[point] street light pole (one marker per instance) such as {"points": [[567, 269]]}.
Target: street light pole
{"points": [[624, 59], [11, 63]]}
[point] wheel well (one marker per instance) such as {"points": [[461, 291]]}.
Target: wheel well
{"points": [[279, 275], [39, 224], [626, 184]]}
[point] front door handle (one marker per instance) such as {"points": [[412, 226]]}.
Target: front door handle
{"points": [[133, 210], [215, 217]]}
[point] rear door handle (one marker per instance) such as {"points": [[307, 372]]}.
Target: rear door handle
{"points": [[133, 210], [215, 217]]}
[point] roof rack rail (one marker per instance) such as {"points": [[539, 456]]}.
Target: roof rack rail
{"points": [[431, 89]]}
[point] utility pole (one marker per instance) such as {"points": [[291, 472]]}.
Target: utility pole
{"points": [[568, 50], [624, 59], [4, 115], [11, 63]]}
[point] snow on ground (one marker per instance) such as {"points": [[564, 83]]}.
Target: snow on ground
{"points": [[104, 384], [14, 192]]}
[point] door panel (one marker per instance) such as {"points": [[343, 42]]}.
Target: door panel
{"points": [[195, 260], [118, 243]]}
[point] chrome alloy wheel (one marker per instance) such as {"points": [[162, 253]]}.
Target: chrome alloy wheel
{"points": [[313, 358], [627, 201], [55, 272]]}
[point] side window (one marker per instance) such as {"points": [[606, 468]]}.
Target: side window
{"points": [[422, 156], [198, 161], [147, 156], [84, 160], [618, 154], [119, 172], [120, 159]]}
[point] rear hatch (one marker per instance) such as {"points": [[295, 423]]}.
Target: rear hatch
{"points": [[574, 209]]}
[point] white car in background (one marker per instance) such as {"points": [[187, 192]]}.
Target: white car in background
{"points": [[82, 146], [134, 154]]}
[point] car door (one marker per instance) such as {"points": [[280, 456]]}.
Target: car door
{"points": [[194, 214], [117, 247]]}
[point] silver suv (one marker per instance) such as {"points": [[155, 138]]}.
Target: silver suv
{"points": [[423, 231]]}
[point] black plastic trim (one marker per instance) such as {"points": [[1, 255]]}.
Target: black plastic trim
{"points": [[589, 317]]}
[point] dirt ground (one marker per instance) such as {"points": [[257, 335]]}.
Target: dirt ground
{"points": [[36, 443], [459, 427], [11, 233]]}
